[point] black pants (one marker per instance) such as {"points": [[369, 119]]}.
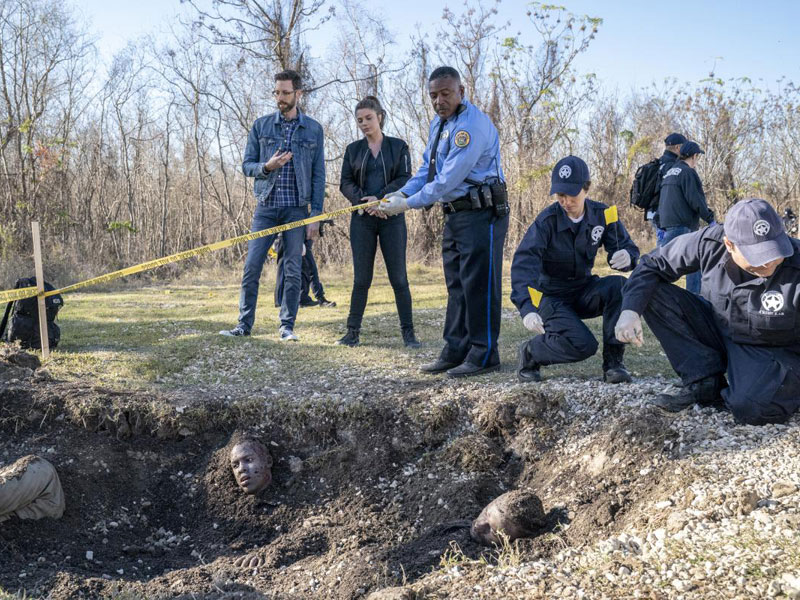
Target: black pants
{"points": [[309, 276], [566, 338], [472, 256], [366, 232], [764, 381]]}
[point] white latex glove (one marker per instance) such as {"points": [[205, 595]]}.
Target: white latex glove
{"points": [[393, 204], [620, 260], [303, 252], [629, 328], [533, 323]]}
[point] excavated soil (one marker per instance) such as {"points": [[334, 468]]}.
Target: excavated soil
{"points": [[364, 496]]}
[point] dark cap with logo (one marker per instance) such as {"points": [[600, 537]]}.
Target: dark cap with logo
{"points": [[568, 176], [690, 149], [757, 230], [673, 139]]}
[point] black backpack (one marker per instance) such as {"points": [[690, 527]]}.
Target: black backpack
{"points": [[645, 188], [24, 322]]}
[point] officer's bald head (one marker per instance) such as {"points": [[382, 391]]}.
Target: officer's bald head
{"points": [[446, 91]]}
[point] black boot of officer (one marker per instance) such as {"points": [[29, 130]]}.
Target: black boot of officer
{"points": [[705, 392], [614, 370]]}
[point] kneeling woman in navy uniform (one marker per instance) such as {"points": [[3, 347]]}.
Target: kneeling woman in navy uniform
{"points": [[552, 282]]}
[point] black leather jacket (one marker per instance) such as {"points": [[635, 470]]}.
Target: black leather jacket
{"points": [[396, 164]]}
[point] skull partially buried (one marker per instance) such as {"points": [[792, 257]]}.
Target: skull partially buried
{"points": [[252, 466]]}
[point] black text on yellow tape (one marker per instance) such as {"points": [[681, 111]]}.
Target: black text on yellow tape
{"points": [[10, 295], [18, 294]]}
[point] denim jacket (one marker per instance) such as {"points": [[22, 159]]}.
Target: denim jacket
{"points": [[307, 154]]}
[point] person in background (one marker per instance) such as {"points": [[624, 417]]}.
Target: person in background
{"points": [[310, 281], [682, 203], [373, 167], [672, 148]]}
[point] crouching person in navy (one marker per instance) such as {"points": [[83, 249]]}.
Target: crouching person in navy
{"points": [[552, 282], [461, 171], [744, 322]]}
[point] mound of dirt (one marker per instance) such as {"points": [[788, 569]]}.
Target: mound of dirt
{"points": [[364, 496]]}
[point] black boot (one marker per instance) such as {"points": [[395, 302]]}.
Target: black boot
{"points": [[526, 370], [705, 392], [409, 339], [325, 303], [350, 338], [614, 370]]}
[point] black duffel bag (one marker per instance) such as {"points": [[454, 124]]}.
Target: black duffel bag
{"points": [[22, 318]]}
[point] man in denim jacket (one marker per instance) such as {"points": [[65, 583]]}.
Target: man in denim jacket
{"points": [[285, 156]]}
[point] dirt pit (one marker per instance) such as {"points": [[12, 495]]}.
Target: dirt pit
{"points": [[365, 496]]}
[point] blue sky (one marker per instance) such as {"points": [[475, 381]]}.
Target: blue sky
{"points": [[638, 42]]}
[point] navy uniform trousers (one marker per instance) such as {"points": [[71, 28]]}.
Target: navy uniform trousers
{"points": [[472, 256], [764, 381], [567, 339]]}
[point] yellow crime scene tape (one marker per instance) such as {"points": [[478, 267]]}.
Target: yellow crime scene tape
{"points": [[11, 295]]}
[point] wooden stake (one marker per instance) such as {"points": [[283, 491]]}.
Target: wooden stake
{"points": [[37, 259]]}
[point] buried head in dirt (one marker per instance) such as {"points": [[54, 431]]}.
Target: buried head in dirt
{"points": [[337, 501]]}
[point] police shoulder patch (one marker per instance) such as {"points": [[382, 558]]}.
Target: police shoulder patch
{"points": [[461, 139]]}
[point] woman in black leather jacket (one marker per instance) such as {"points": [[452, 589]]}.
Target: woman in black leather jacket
{"points": [[374, 166]]}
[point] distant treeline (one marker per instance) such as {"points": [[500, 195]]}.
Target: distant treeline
{"points": [[126, 162]]}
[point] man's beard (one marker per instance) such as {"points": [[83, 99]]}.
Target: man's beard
{"points": [[286, 107]]}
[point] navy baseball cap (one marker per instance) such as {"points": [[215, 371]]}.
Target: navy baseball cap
{"points": [[690, 149], [757, 230], [568, 176], [673, 139]]}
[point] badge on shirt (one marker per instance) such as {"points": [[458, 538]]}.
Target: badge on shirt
{"points": [[461, 139], [445, 134], [597, 233], [772, 302]]}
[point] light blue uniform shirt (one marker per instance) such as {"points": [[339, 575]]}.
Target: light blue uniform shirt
{"points": [[469, 148]]}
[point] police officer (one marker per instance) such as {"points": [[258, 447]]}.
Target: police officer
{"points": [[461, 170], [746, 321], [682, 202], [552, 282], [672, 146]]}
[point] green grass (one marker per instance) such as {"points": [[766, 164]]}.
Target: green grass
{"points": [[166, 334]]}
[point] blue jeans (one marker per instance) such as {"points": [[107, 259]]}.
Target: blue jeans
{"points": [[692, 279], [264, 218]]}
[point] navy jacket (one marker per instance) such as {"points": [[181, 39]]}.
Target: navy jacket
{"points": [[758, 311], [682, 201], [557, 261], [307, 154]]}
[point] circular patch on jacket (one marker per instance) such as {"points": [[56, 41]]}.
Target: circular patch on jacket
{"points": [[772, 301], [461, 139], [597, 233], [761, 228], [565, 171]]}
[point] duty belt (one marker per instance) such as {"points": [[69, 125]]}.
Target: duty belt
{"points": [[458, 205]]}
